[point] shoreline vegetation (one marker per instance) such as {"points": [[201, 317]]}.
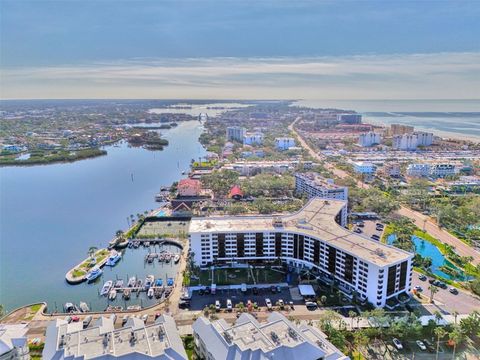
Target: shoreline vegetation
{"points": [[52, 157]]}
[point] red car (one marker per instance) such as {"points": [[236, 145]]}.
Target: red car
{"points": [[75, 318]]}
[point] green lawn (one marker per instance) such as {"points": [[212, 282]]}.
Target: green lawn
{"points": [[237, 276]]}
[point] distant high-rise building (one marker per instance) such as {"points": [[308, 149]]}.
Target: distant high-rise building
{"points": [[236, 133], [424, 138], [349, 118], [399, 129], [369, 139], [406, 142]]}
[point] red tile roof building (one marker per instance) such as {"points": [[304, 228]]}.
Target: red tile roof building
{"points": [[189, 187]]}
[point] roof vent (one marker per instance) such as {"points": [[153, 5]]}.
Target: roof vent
{"points": [[274, 337], [292, 333], [379, 252], [228, 337]]}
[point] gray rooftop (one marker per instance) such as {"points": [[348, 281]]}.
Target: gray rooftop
{"points": [[277, 338], [159, 340]]}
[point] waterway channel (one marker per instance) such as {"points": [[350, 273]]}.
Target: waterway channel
{"points": [[50, 215]]}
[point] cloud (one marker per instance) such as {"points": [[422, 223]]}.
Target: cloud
{"points": [[427, 76]]}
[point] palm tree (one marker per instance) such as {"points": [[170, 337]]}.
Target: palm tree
{"points": [[352, 315], [91, 251], [455, 315], [440, 333], [438, 317], [456, 337], [433, 290]]}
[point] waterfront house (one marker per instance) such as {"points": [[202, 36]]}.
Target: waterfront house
{"points": [[189, 187]]}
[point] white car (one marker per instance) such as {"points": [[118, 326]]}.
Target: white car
{"points": [[268, 302], [397, 343], [418, 288], [217, 305], [421, 345], [229, 305]]}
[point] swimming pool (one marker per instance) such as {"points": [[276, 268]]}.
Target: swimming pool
{"points": [[427, 249]]}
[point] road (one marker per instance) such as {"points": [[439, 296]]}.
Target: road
{"points": [[422, 221]]}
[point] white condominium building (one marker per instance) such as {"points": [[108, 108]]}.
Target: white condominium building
{"points": [[406, 142], [253, 139], [284, 143], [362, 167], [135, 340], [248, 339], [236, 133], [424, 138], [369, 139], [418, 170], [314, 185], [442, 170], [312, 239], [13, 342]]}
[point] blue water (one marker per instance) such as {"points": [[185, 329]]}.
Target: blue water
{"points": [[427, 249], [50, 216]]}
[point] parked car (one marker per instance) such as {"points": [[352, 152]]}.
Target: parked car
{"points": [[361, 224], [281, 303], [75, 318], [311, 305], [421, 345], [429, 346], [87, 321], [290, 303], [418, 288], [453, 291], [268, 303], [397, 343], [229, 305], [379, 225], [443, 285], [184, 304], [207, 290], [201, 292], [217, 305], [375, 237], [358, 231], [431, 281], [422, 277]]}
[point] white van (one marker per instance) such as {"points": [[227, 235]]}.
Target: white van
{"points": [[229, 305], [217, 305]]}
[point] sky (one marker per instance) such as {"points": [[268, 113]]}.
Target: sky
{"points": [[240, 49]]}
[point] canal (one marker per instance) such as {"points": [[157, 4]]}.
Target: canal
{"points": [[50, 216]]}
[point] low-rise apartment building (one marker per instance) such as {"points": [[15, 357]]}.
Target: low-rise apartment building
{"points": [[313, 185], [135, 340], [253, 139], [363, 167], [284, 143], [278, 338], [308, 239]]}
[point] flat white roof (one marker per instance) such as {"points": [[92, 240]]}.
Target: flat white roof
{"points": [[316, 219], [306, 290]]}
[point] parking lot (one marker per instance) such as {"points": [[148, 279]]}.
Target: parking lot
{"points": [[199, 302], [368, 228]]}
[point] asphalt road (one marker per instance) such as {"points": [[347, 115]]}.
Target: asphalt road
{"points": [[463, 303]]}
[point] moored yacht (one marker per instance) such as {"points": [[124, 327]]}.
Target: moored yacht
{"points": [[132, 281], [112, 294], [69, 307], [113, 259], [94, 273], [149, 281], [84, 307], [176, 258], [106, 287]]}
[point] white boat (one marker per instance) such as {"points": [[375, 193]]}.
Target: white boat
{"points": [[113, 259], [119, 283], [94, 273], [84, 307], [150, 292], [132, 281], [112, 294], [149, 281], [69, 307], [176, 258], [168, 257], [106, 287]]}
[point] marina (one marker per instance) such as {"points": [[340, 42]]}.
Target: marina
{"points": [[41, 211]]}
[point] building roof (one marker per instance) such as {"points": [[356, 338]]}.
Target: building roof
{"points": [[317, 180], [306, 290], [12, 336], [235, 191], [278, 338], [188, 182], [135, 340], [316, 219]]}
